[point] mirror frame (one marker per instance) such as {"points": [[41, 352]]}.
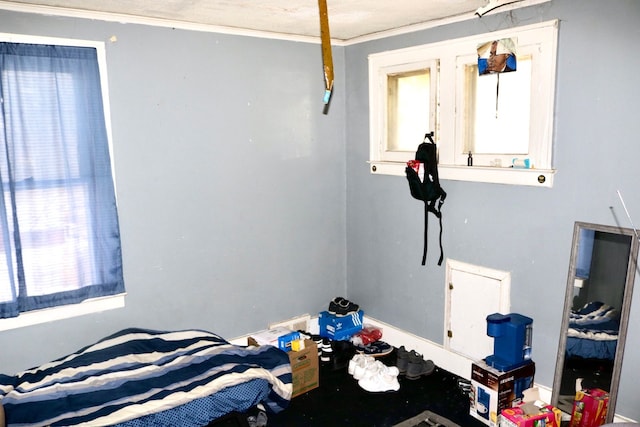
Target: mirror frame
{"points": [[624, 310]]}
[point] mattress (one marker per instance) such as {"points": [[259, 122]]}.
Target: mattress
{"points": [[143, 377]]}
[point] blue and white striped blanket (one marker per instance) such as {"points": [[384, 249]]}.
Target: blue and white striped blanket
{"points": [[596, 317], [593, 332], [137, 374]]}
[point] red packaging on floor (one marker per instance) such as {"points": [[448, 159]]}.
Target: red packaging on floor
{"points": [[589, 408]]}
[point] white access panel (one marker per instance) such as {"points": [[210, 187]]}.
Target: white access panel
{"points": [[471, 294]]}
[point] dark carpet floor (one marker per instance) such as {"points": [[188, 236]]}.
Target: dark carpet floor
{"points": [[339, 401]]}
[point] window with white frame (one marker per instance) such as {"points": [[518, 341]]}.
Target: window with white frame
{"points": [[58, 216], [503, 120], [408, 106]]}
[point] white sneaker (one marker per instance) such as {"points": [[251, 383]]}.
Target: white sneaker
{"points": [[361, 365], [353, 362], [380, 381], [358, 359], [390, 370], [377, 367]]}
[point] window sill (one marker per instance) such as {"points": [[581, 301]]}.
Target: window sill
{"points": [[57, 313], [492, 175]]}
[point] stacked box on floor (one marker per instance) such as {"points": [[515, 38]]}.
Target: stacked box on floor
{"points": [[305, 368], [340, 327], [547, 416], [493, 390], [589, 408], [280, 337]]}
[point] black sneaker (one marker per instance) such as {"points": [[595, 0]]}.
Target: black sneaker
{"points": [[326, 353], [343, 307], [333, 305], [375, 349], [419, 367], [318, 340], [402, 359], [343, 351]]}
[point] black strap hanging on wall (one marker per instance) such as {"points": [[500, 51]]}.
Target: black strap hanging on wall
{"points": [[428, 189]]}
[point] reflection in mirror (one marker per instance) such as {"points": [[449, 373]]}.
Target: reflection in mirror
{"points": [[597, 304]]}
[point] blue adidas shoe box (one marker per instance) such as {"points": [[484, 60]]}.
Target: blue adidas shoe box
{"points": [[339, 328]]}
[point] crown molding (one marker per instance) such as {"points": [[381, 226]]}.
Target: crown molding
{"points": [[184, 25]]}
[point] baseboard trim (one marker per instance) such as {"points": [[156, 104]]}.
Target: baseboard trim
{"points": [[448, 360]]}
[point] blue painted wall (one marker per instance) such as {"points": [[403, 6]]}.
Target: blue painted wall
{"points": [[241, 203], [230, 183], [524, 230]]}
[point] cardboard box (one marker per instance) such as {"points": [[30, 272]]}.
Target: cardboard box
{"points": [[280, 337], [518, 416], [532, 412], [284, 341], [589, 408], [340, 327], [305, 368], [493, 390]]}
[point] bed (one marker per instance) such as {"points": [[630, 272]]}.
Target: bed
{"points": [[140, 377], [593, 332]]}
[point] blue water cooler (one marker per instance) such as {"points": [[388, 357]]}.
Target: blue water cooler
{"points": [[512, 340]]}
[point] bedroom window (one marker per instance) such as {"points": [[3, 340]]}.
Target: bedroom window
{"points": [[504, 119], [408, 108], [59, 231], [403, 104]]}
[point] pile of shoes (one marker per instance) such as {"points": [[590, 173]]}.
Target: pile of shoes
{"points": [[342, 307], [367, 341], [412, 364], [373, 375], [335, 354]]}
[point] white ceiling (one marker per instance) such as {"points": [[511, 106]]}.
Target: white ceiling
{"points": [[348, 19]]}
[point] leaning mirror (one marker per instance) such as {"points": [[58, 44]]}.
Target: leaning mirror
{"points": [[596, 312]]}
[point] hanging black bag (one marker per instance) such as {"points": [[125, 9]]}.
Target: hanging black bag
{"points": [[427, 189]]}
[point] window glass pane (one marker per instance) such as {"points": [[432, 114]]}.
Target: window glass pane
{"points": [[55, 239], [408, 109], [498, 110]]}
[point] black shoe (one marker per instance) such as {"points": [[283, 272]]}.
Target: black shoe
{"points": [[402, 360], [418, 367], [342, 307], [326, 354], [333, 305], [375, 349], [343, 351]]}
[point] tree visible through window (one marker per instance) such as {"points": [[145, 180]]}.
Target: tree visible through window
{"points": [[58, 215]]}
